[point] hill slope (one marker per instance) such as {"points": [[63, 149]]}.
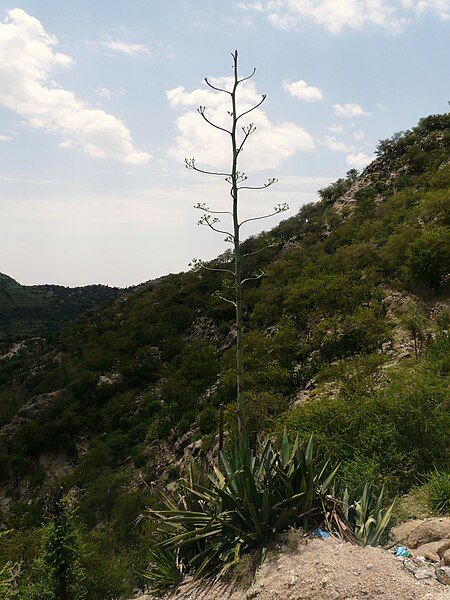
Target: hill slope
{"points": [[347, 337], [38, 309]]}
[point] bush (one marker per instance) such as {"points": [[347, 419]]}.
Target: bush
{"points": [[394, 432], [429, 257], [8, 576], [437, 491], [261, 411]]}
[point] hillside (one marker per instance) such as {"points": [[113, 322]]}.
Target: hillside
{"points": [[31, 310], [347, 338]]}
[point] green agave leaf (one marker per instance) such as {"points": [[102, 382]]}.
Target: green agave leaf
{"points": [[329, 480]]}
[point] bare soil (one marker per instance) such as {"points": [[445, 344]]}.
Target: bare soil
{"points": [[324, 570]]}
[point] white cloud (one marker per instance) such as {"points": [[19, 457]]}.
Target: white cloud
{"points": [[301, 90], [383, 108], [359, 160], [103, 92], [265, 149], [335, 145], [335, 128], [120, 47], [419, 7], [350, 110], [5, 138], [65, 144], [338, 15], [359, 136], [27, 57]]}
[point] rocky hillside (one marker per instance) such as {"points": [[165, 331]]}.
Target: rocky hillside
{"points": [[346, 338], [31, 310]]}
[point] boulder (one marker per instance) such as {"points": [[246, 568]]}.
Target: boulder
{"points": [[443, 575], [418, 532], [433, 550], [109, 379], [421, 570], [445, 558]]}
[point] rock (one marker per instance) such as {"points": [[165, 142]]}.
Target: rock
{"points": [[421, 570], [28, 412], [404, 355], [109, 379], [180, 443], [445, 559], [193, 448], [433, 550], [230, 339], [418, 532], [443, 575], [271, 331], [386, 347], [203, 328]]}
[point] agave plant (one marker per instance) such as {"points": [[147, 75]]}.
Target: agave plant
{"points": [[164, 570], [243, 505], [368, 516]]}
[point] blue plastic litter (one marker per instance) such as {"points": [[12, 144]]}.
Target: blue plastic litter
{"points": [[402, 551], [321, 533]]}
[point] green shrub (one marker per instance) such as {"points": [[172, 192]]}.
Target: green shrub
{"points": [[429, 257], [8, 577], [390, 433], [437, 491], [261, 411], [207, 420], [111, 572]]}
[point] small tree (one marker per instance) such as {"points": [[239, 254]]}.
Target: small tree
{"points": [[415, 321], [8, 577], [236, 180], [57, 574]]}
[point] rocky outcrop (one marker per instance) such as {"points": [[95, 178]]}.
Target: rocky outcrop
{"points": [[107, 379], [429, 542], [30, 411], [419, 532], [203, 328]]}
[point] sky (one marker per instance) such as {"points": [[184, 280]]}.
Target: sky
{"points": [[98, 106]]}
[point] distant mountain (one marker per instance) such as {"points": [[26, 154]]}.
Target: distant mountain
{"points": [[30, 310]]}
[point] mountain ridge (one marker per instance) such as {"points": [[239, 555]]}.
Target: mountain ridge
{"points": [[38, 309]]}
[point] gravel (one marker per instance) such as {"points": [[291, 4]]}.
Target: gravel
{"points": [[325, 570]]}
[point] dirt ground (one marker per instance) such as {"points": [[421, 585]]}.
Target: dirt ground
{"points": [[325, 570]]}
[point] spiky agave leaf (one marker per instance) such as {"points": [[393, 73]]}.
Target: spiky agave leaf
{"points": [[164, 570], [255, 494]]}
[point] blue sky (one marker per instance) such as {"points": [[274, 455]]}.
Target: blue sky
{"points": [[97, 111]]}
